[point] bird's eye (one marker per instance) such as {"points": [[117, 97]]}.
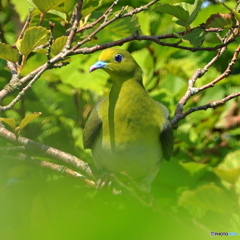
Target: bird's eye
{"points": [[118, 58]]}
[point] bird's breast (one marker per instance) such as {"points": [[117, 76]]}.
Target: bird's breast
{"points": [[130, 121], [129, 139]]}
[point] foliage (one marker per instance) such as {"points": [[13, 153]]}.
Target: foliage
{"points": [[44, 69]]}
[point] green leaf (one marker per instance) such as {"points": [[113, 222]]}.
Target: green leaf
{"points": [[10, 122], [8, 53], [89, 6], [176, 11], [118, 29], [46, 5], [229, 169], [66, 7], [58, 14], [195, 37], [33, 37], [193, 9], [237, 15], [205, 198], [22, 9], [58, 45], [220, 20], [27, 119], [184, 13]]}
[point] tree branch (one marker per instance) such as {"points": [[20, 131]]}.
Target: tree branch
{"points": [[214, 104], [25, 25], [77, 17], [20, 94], [107, 22], [44, 150], [104, 16], [226, 73]]}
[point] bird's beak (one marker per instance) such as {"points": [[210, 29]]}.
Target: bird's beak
{"points": [[97, 65]]}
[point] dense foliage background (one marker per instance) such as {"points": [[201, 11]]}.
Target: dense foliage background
{"points": [[195, 193]]}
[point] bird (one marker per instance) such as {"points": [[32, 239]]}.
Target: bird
{"points": [[128, 132]]}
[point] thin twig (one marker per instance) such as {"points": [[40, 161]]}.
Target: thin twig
{"points": [[26, 24], [77, 17], [119, 15], [214, 104], [104, 15], [45, 164], [50, 41], [199, 73], [20, 94], [226, 73], [191, 90]]}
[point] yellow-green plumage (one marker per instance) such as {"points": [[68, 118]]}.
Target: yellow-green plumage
{"points": [[128, 131]]}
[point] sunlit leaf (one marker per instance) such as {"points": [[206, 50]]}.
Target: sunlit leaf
{"points": [[195, 37], [174, 10], [58, 45], [8, 53], [193, 9], [58, 14], [46, 5], [41, 50], [22, 9], [10, 122], [89, 6], [220, 20], [27, 119], [193, 167], [229, 169], [203, 199], [237, 15], [66, 6], [184, 13], [119, 29], [33, 37]]}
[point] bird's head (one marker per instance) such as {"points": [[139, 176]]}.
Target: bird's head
{"points": [[119, 64]]}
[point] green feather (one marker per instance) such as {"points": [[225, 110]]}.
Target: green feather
{"points": [[128, 131]]}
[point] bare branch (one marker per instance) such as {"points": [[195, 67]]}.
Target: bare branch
{"points": [[105, 14], [26, 24], [107, 22], [20, 94], [77, 17], [214, 104], [45, 164], [50, 41], [226, 73], [191, 82], [135, 36], [59, 168], [44, 150]]}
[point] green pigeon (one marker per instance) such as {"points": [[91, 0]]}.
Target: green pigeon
{"points": [[128, 132]]}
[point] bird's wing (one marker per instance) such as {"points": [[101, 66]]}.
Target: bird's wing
{"points": [[166, 138], [166, 135], [92, 127]]}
